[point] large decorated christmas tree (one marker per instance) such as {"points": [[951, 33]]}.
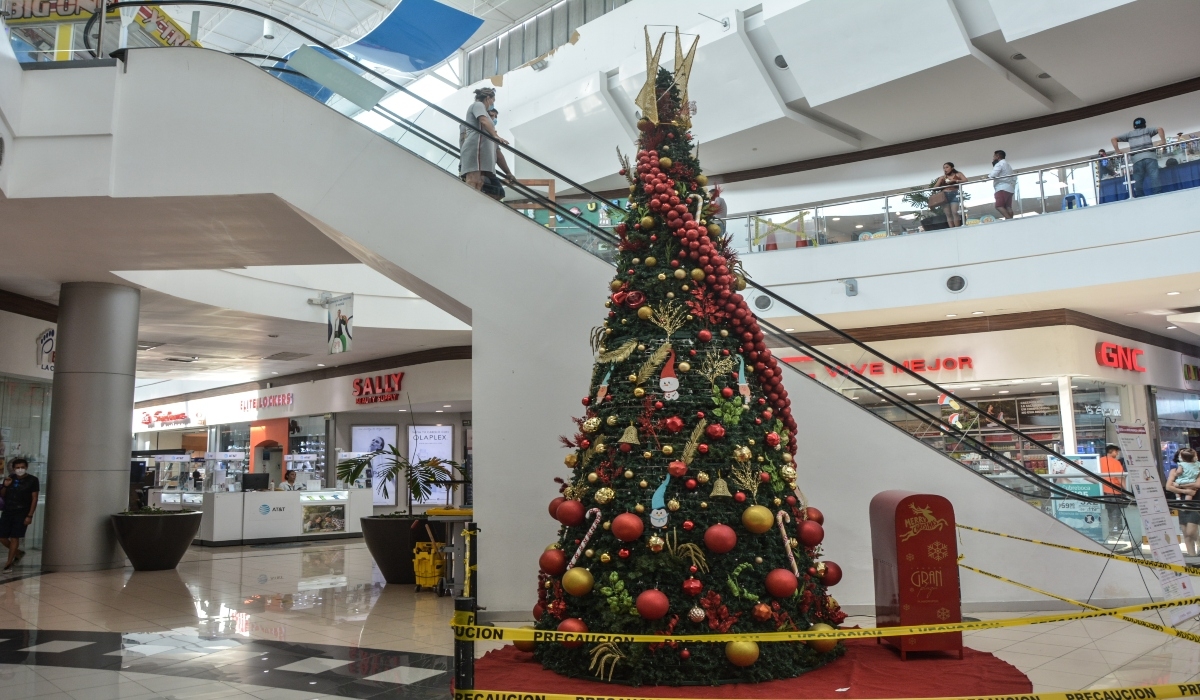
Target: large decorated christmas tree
{"points": [[682, 513]]}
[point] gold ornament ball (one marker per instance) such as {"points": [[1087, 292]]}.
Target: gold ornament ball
{"points": [[632, 377], [647, 223], [664, 162], [547, 585], [552, 545], [571, 460], [605, 558], [777, 502], [607, 524], [685, 366], [647, 454], [690, 317], [741, 283], [697, 614], [593, 477], [591, 425], [794, 543], [641, 348], [787, 457], [702, 179], [672, 505], [742, 453], [757, 560], [714, 230], [645, 313], [703, 505], [604, 495], [578, 581], [760, 458], [820, 567], [639, 508], [680, 274], [655, 543], [628, 474], [636, 261], [724, 333], [750, 441], [639, 392], [662, 276], [697, 274], [624, 321], [608, 303], [615, 285], [611, 420], [702, 478], [668, 450], [643, 484], [651, 261], [589, 553], [599, 446], [670, 295], [525, 645], [758, 519], [684, 288], [821, 646], [741, 654], [788, 472]]}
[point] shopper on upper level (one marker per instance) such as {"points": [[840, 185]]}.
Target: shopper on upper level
{"points": [[1106, 165], [1145, 158], [1004, 182], [947, 185]]}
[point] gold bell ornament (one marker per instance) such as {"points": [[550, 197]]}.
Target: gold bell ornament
{"points": [[720, 488], [630, 436]]}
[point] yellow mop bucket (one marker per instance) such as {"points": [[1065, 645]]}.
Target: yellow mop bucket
{"points": [[428, 563]]}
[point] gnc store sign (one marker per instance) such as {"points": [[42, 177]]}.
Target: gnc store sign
{"points": [[1116, 356]]}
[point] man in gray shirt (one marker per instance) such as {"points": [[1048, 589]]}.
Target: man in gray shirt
{"points": [[1145, 162]]}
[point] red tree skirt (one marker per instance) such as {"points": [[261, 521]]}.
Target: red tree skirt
{"points": [[868, 670]]}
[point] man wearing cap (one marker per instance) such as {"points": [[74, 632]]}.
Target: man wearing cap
{"points": [[478, 159], [1145, 161]]}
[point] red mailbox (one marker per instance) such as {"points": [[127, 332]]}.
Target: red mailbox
{"points": [[916, 568]]}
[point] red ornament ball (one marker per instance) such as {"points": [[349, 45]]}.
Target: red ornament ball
{"points": [[553, 562], [674, 424], [584, 444], [761, 612], [772, 439], [791, 500], [720, 538], [810, 533], [677, 469], [764, 477], [554, 506], [739, 497], [627, 527], [814, 514], [703, 448], [570, 513], [586, 400], [623, 553], [693, 586], [693, 569], [716, 431], [685, 654], [833, 574], [626, 447], [704, 335], [653, 604], [727, 392], [690, 484], [573, 624], [688, 524], [781, 583], [538, 611]]}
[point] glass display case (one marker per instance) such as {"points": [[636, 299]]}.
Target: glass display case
{"points": [[324, 511], [306, 437], [223, 471]]}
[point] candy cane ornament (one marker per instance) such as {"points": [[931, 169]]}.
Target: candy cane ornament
{"points": [[780, 518], [594, 514]]}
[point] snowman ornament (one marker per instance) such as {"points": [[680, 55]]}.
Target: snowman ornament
{"points": [[667, 381]]}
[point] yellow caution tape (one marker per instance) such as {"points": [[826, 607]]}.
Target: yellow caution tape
{"points": [[465, 629], [1144, 623], [1143, 692], [1186, 569]]}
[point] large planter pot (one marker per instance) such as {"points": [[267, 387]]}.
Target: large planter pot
{"points": [[391, 540], [156, 542]]}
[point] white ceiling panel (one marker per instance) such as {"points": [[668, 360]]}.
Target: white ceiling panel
{"points": [[1021, 18]]}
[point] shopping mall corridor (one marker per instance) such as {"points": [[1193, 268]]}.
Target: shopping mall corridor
{"points": [[303, 622]]}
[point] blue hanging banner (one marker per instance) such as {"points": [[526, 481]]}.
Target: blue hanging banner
{"points": [[416, 35]]}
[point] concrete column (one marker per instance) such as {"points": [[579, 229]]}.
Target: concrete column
{"points": [[88, 462]]}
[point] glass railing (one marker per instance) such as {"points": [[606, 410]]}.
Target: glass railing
{"points": [[1046, 189], [1024, 463]]}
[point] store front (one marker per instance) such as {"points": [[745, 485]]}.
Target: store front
{"points": [[224, 454], [1064, 386]]}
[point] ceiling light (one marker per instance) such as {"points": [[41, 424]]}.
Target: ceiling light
{"points": [[439, 411], [974, 388], [854, 398], [1171, 328], [1004, 391], [403, 410], [951, 315], [320, 365], [858, 225], [446, 406], [911, 393], [788, 330], [1074, 387], [837, 218], [1172, 294], [274, 373], [977, 313]]}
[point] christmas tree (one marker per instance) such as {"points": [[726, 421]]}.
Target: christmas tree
{"points": [[682, 515]]}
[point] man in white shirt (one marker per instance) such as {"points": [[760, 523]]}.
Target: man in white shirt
{"points": [[1004, 182], [289, 482]]}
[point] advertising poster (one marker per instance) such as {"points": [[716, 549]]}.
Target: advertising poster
{"points": [[1085, 517], [372, 438], [339, 322], [425, 441], [324, 518]]}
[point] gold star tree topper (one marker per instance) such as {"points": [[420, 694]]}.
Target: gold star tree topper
{"points": [[647, 99]]}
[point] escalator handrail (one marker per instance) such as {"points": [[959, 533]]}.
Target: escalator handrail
{"points": [[608, 237], [263, 15]]}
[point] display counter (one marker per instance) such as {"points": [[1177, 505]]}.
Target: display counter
{"points": [[258, 517]]}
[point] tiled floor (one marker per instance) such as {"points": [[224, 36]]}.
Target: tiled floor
{"points": [[316, 621]]}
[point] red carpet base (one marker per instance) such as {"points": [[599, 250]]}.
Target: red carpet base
{"points": [[868, 670]]}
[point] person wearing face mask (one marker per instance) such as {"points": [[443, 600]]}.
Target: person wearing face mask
{"points": [[20, 493]]}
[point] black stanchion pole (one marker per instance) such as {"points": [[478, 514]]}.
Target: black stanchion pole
{"points": [[464, 650]]}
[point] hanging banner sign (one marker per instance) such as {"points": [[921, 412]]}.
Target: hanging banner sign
{"points": [[1157, 526], [339, 323], [153, 20], [45, 350]]}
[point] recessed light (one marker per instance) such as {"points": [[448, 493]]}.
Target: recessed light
{"points": [[320, 365], [446, 406], [1171, 328], [403, 410], [858, 225], [439, 411], [951, 315], [977, 313], [1004, 391], [879, 391], [274, 373], [911, 393], [974, 388], [788, 330], [837, 218], [1172, 294], [1047, 383], [854, 398], [1074, 387]]}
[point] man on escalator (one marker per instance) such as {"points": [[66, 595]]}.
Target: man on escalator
{"points": [[1112, 468]]}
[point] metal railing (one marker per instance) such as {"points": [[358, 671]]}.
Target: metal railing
{"points": [[432, 135], [1064, 186]]}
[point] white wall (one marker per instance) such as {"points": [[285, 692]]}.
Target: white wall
{"points": [[18, 354]]}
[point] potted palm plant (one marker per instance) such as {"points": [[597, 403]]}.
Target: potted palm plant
{"points": [[156, 539], [390, 537]]}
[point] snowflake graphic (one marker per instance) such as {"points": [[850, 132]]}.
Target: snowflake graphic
{"points": [[938, 551], [943, 614], [909, 556], [907, 606]]}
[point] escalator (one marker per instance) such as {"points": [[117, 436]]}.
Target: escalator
{"points": [[1047, 483]]}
